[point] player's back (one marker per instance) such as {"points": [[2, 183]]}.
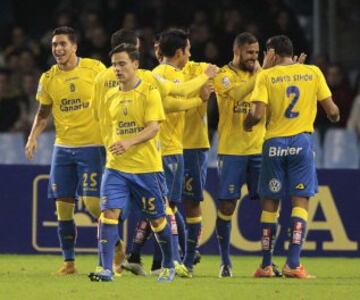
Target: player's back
{"points": [[292, 92]]}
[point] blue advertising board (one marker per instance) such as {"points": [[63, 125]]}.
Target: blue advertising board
{"points": [[28, 223]]}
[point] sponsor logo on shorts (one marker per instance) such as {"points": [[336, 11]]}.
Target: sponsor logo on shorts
{"points": [[278, 151], [274, 185], [54, 187]]}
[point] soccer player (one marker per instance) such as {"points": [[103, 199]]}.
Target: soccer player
{"points": [[134, 169], [174, 46], [78, 156], [289, 93], [239, 152], [196, 145]]}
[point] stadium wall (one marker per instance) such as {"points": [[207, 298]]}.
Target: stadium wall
{"points": [[28, 220]]}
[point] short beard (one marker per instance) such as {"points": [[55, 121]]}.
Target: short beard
{"points": [[245, 67]]}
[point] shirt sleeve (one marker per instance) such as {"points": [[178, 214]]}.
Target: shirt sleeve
{"points": [[260, 92], [223, 83], [323, 91], [154, 108], [42, 94]]}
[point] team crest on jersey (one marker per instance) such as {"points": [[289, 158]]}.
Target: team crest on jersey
{"points": [[226, 82], [72, 87], [274, 185]]}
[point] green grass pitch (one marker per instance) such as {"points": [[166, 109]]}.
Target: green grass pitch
{"points": [[29, 277]]}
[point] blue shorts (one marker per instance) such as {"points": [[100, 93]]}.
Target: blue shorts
{"points": [[76, 172], [174, 174], [195, 171], [288, 165], [143, 191], [236, 170]]}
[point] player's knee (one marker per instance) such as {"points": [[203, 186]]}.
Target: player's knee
{"points": [[192, 208], [227, 207], [158, 225], [92, 205], [110, 217], [65, 210]]}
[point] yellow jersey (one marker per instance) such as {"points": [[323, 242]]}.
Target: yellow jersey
{"points": [[70, 94], [128, 112], [196, 121], [104, 81], [291, 93], [233, 140], [172, 129]]}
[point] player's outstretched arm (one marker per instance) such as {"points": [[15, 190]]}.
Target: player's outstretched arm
{"points": [[40, 122], [172, 104], [185, 89], [331, 109], [150, 131]]}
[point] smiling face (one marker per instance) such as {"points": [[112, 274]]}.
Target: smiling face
{"points": [[246, 56], [63, 49]]}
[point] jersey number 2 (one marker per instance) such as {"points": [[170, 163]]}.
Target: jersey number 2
{"points": [[292, 90]]}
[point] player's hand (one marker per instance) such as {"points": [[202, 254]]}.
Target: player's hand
{"points": [[120, 147], [30, 148], [211, 71], [257, 66], [300, 59], [206, 91], [269, 59], [247, 128]]}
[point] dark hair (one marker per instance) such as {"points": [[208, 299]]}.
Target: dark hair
{"points": [[172, 40], [245, 38], [69, 31], [123, 36], [281, 44], [128, 48]]}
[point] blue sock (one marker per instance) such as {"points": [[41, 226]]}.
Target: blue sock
{"points": [[157, 255], [98, 244], [67, 237], [223, 229], [192, 242], [268, 225], [268, 235], [142, 233], [164, 239], [297, 233], [181, 228], [174, 237], [109, 235]]}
